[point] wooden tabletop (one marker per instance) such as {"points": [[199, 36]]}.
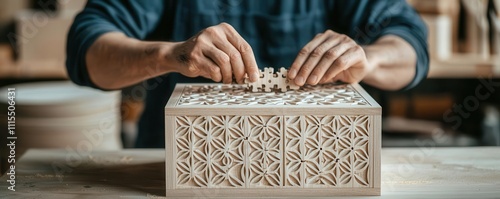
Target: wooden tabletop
{"points": [[406, 173]]}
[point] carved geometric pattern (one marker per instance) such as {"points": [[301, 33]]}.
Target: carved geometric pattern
{"points": [[228, 151], [271, 151], [326, 151], [239, 95]]}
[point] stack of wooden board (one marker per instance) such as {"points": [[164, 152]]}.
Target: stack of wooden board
{"points": [[477, 27], [64, 115], [495, 27]]}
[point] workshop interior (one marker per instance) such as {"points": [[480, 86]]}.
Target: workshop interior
{"points": [[457, 105]]}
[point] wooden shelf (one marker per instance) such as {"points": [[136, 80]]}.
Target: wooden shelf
{"points": [[465, 66], [46, 69]]}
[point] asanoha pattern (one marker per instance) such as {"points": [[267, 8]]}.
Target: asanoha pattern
{"points": [[272, 151], [239, 95]]}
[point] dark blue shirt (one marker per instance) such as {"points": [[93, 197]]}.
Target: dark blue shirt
{"points": [[276, 30]]}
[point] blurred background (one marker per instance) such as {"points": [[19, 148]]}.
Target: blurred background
{"points": [[458, 105]]}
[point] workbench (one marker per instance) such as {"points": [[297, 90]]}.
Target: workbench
{"points": [[425, 172]]}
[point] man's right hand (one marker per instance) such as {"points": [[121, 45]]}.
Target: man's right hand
{"points": [[217, 52]]}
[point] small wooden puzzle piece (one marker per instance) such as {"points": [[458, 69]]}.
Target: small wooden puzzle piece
{"points": [[286, 84], [270, 81]]}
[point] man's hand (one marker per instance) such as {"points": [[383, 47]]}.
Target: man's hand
{"points": [[217, 52], [330, 57]]}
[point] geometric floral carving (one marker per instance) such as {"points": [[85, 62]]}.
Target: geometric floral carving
{"points": [[239, 95], [219, 151], [326, 151], [272, 151], [265, 151]]}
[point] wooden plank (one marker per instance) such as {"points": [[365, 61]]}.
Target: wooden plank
{"points": [[477, 29], [376, 150], [266, 192], [495, 28], [440, 29], [465, 66], [434, 6], [497, 6], [170, 152]]}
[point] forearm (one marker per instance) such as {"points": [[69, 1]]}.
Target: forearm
{"points": [[115, 61], [393, 61]]}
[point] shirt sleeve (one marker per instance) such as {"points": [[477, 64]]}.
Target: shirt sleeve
{"points": [[134, 18], [367, 20]]}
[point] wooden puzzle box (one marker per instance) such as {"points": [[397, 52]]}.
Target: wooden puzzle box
{"points": [[226, 141]]}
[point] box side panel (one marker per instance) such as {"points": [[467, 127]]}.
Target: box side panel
{"points": [[377, 147], [170, 143], [266, 193], [270, 151]]}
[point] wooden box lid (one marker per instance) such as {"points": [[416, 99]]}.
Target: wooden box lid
{"points": [[216, 99]]}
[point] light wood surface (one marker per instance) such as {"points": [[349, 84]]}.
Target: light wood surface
{"points": [[406, 173]]}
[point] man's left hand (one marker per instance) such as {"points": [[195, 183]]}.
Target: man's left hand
{"points": [[330, 57]]}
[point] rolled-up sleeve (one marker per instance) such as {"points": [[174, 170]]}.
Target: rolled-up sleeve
{"points": [[367, 20], [134, 18]]}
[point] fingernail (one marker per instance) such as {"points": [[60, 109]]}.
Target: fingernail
{"points": [[313, 79], [299, 81], [292, 73], [254, 77]]}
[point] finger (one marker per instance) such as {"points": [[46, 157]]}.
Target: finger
{"points": [[335, 79], [236, 63], [221, 59], [326, 61], [245, 50], [313, 60], [209, 68], [222, 53], [214, 71], [304, 54], [342, 63]]}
